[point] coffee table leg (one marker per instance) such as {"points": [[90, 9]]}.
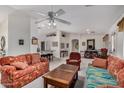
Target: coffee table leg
{"points": [[45, 84]]}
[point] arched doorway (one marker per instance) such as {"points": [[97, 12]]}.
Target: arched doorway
{"points": [[75, 45]]}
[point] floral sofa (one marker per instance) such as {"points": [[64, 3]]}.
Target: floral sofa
{"points": [[11, 76], [106, 73]]}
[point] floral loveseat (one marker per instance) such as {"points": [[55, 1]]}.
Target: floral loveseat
{"points": [[106, 73], [14, 77]]}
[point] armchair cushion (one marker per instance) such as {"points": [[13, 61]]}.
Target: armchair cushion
{"points": [[73, 60], [19, 65], [98, 62]]}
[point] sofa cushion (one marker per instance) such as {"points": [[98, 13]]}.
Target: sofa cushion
{"points": [[120, 77], [20, 58], [99, 62], [98, 76], [7, 60], [111, 59], [35, 58], [28, 58], [94, 81], [19, 65], [98, 72], [115, 66]]}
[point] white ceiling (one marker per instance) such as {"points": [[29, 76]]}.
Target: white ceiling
{"points": [[98, 18], [4, 11]]}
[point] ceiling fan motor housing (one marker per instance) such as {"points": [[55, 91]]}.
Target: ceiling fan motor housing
{"points": [[51, 15]]}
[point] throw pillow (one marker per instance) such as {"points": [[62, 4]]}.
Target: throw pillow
{"points": [[98, 62], [20, 65]]}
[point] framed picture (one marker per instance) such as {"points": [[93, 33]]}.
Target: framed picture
{"points": [[83, 43], [62, 45], [34, 41], [54, 44], [21, 41], [67, 45]]}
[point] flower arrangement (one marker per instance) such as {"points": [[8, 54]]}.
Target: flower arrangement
{"points": [[104, 50]]}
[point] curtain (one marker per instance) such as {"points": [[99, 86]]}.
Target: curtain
{"points": [[121, 25]]}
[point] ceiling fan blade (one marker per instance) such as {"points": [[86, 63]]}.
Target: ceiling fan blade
{"points": [[42, 14], [62, 21], [59, 12], [39, 13], [41, 20]]}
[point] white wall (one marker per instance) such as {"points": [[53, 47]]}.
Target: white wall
{"points": [[64, 40], [98, 41], [84, 38], [71, 37], [4, 32], [119, 45], [18, 28], [50, 40], [37, 34]]}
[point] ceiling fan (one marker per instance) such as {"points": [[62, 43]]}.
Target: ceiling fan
{"points": [[52, 16]]}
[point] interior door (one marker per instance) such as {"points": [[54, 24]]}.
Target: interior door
{"points": [[42, 46]]}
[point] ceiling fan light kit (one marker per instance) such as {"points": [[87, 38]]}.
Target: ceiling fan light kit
{"points": [[52, 17]]}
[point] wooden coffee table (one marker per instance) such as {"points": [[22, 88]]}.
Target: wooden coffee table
{"points": [[63, 76]]}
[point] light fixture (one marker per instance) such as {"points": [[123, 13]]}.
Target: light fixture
{"points": [[51, 23], [54, 24]]}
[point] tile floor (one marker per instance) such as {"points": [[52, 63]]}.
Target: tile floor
{"points": [[38, 83]]}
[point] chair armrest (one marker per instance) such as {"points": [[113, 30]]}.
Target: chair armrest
{"points": [[67, 59], [43, 59], [8, 69], [79, 60], [0, 68]]}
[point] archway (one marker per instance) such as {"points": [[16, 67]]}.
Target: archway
{"points": [[75, 45]]}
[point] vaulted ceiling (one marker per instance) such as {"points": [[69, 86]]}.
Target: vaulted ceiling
{"points": [[97, 18]]}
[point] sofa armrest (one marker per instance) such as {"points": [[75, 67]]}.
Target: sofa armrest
{"points": [[19, 73], [90, 64], [8, 69], [43, 59]]}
